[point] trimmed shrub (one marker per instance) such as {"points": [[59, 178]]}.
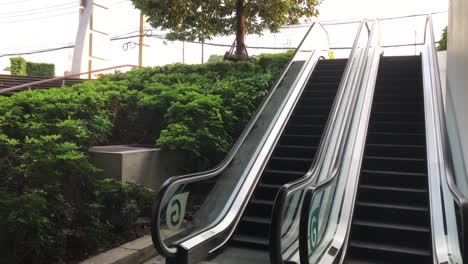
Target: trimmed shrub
{"points": [[215, 59], [40, 69], [52, 209], [18, 66]]}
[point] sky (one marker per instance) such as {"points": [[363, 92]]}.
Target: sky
{"points": [[27, 25]]}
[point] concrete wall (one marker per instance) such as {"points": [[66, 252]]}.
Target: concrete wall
{"points": [[146, 165], [457, 88]]}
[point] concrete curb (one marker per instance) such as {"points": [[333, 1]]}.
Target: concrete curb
{"points": [[136, 251]]}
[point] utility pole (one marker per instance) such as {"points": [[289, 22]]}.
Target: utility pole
{"points": [[202, 51], [92, 37], [183, 52], [140, 46]]}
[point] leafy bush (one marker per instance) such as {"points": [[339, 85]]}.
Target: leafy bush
{"points": [[51, 206], [27, 229], [18, 66], [40, 69]]}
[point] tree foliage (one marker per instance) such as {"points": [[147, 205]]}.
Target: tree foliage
{"points": [[443, 40], [204, 19]]}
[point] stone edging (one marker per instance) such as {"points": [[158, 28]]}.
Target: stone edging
{"points": [[137, 251]]}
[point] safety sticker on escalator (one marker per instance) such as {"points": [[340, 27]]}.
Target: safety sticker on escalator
{"points": [[175, 211], [313, 229]]}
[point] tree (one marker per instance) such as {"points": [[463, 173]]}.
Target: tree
{"points": [[203, 19], [443, 40]]}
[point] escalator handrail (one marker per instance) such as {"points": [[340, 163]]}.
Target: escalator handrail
{"points": [[458, 196], [338, 158], [301, 183], [158, 203], [456, 193], [312, 190]]}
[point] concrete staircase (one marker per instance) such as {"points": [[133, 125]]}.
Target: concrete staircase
{"points": [[7, 81]]}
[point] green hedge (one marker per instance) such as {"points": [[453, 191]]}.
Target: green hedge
{"points": [[18, 66], [51, 206], [40, 69]]}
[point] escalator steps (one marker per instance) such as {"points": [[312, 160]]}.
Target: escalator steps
{"points": [[391, 221], [294, 153]]}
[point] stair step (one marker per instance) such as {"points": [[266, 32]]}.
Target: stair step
{"points": [[318, 101], [396, 138], [405, 106], [259, 220], [393, 206], [266, 191], [396, 127], [300, 140], [412, 165], [400, 116], [391, 248], [304, 128], [395, 150], [250, 241], [309, 118], [391, 226], [295, 151], [394, 179], [255, 226], [296, 164], [395, 189], [403, 238], [397, 98]]}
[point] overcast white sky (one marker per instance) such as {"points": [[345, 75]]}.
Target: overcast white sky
{"points": [[31, 24]]}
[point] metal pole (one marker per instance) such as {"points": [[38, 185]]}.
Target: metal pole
{"points": [[183, 52], [140, 47], [202, 51], [415, 42]]}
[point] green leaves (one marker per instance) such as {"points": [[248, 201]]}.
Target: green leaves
{"points": [[50, 203], [202, 20], [443, 40]]}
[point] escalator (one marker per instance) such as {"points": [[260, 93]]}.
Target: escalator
{"points": [[391, 221], [290, 159]]}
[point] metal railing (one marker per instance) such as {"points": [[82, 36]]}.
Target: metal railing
{"points": [[61, 78], [449, 205]]}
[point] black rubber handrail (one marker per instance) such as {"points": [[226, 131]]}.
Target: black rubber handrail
{"points": [[459, 198], [287, 190], [158, 203]]}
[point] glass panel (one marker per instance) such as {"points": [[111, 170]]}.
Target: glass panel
{"points": [[317, 211]]}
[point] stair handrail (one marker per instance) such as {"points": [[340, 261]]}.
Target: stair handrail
{"points": [[441, 131], [60, 78], [287, 190], [312, 190], [158, 243]]}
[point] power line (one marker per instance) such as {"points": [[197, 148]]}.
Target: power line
{"points": [[16, 2], [37, 51], [37, 18], [162, 37], [42, 12], [41, 8]]}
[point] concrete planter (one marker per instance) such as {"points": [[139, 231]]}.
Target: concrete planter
{"points": [[147, 165]]}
